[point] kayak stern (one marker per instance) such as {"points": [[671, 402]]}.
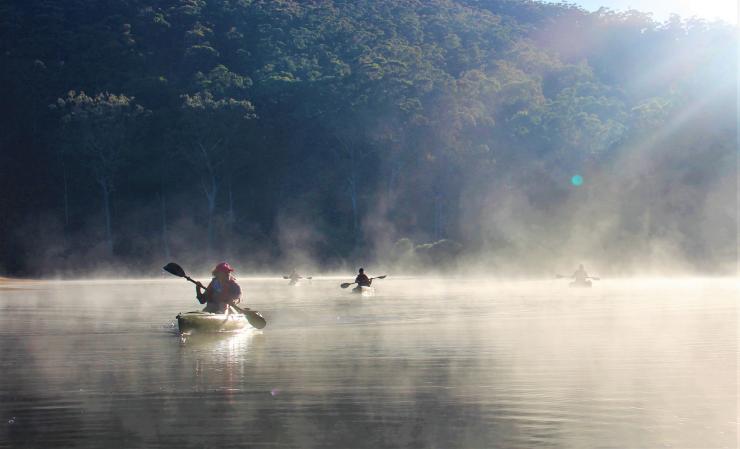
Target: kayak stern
{"points": [[576, 284], [364, 291]]}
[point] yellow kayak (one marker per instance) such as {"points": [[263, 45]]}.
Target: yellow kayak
{"points": [[200, 321]]}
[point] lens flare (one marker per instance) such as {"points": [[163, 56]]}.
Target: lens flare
{"points": [[576, 180]]}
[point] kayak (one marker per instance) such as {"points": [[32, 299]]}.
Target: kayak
{"points": [[210, 322], [364, 291], [583, 284]]}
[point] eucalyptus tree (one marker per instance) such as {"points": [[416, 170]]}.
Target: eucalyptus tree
{"points": [[208, 130], [432, 110], [100, 131], [351, 155]]}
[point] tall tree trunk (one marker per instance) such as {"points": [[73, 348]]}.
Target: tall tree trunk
{"points": [[210, 189], [211, 193], [106, 190], [165, 237], [163, 210], [231, 213], [393, 179], [352, 181], [438, 216], [66, 195]]}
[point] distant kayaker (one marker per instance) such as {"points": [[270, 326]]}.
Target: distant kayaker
{"points": [[294, 277], [580, 275], [362, 280], [221, 292]]}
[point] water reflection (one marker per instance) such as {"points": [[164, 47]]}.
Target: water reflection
{"points": [[218, 361], [218, 342], [518, 365]]}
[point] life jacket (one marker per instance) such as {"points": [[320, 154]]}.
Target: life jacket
{"points": [[222, 293], [362, 280]]}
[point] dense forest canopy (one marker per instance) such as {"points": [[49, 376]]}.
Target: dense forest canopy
{"points": [[518, 135]]}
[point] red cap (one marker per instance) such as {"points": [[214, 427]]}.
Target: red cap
{"points": [[223, 267]]}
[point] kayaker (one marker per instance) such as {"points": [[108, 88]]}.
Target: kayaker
{"points": [[294, 277], [221, 292], [580, 275], [362, 280]]}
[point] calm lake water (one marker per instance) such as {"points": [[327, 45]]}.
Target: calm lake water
{"points": [[458, 364]]}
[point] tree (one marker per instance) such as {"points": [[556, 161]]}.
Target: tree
{"points": [[100, 131], [460, 119], [209, 128]]}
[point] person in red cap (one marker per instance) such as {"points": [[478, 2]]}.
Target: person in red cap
{"points": [[221, 292]]}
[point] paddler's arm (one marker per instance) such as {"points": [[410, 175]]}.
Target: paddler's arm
{"points": [[202, 296], [237, 294]]}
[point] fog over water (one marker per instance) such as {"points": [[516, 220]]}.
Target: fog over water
{"points": [[639, 363], [523, 135], [475, 151]]}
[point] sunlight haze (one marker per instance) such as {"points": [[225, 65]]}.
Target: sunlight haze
{"points": [[369, 224], [725, 10]]}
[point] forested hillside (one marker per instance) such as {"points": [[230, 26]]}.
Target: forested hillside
{"points": [[272, 133]]}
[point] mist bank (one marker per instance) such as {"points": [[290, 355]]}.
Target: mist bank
{"points": [[451, 136]]}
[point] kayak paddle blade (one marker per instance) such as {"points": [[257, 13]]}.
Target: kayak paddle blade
{"points": [[175, 269], [346, 284], [255, 319]]}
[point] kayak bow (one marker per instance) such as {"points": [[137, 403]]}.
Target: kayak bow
{"points": [[210, 322]]}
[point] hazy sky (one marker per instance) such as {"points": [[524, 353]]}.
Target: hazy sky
{"points": [[707, 9]]}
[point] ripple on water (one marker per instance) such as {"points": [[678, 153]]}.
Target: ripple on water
{"points": [[454, 365]]}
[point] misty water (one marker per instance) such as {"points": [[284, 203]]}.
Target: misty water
{"points": [[441, 364]]}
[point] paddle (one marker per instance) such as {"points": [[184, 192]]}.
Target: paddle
{"points": [[299, 277], [347, 284], [177, 270], [254, 317]]}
